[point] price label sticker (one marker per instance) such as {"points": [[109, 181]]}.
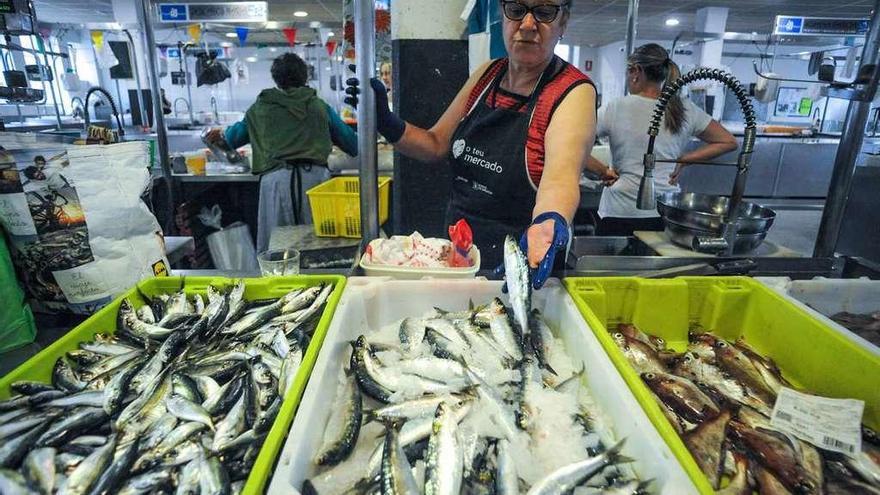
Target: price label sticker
{"points": [[830, 424]]}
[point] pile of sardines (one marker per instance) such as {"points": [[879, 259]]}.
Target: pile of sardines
{"points": [[480, 401], [719, 395], [177, 400]]}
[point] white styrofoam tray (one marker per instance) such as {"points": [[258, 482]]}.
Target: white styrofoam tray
{"points": [[415, 273], [370, 303], [824, 297]]}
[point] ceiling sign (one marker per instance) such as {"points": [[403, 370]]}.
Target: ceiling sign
{"points": [[819, 26], [214, 12]]}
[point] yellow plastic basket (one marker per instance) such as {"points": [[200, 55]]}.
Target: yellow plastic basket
{"points": [[336, 206]]}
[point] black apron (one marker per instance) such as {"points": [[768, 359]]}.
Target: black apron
{"points": [[491, 188]]}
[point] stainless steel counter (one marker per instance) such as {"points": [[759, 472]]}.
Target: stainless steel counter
{"points": [[628, 256], [782, 167]]}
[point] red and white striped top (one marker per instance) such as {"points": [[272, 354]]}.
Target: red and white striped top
{"points": [[566, 78]]}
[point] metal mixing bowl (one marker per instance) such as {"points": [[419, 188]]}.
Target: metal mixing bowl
{"points": [[692, 214]]}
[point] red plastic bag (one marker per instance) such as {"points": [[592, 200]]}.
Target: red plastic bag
{"points": [[462, 238]]}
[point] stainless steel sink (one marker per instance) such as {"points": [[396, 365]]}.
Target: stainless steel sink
{"points": [[628, 256]]}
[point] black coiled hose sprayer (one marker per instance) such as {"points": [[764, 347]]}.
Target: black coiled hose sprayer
{"points": [[647, 200]]}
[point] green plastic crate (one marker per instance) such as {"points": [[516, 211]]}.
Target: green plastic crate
{"points": [[40, 366], [810, 354]]}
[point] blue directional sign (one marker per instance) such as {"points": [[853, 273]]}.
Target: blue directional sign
{"points": [[173, 12], [788, 25], [819, 26]]}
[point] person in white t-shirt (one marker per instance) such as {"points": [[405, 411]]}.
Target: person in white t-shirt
{"points": [[625, 121]]}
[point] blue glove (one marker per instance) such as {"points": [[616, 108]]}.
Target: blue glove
{"points": [[545, 267], [389, 125]]}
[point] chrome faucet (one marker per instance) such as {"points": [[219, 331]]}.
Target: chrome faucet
{"points": [[647, 200], [77, 107], [816, 121], [188, 107], [214, 108]]}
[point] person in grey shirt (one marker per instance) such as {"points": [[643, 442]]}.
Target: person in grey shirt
{"points": [[624, 122]]}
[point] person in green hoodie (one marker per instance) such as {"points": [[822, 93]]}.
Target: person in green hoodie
{"points": [[289, 128]]}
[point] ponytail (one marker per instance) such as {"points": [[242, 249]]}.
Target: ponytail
{"points": [[655, 63], [675, 117]]}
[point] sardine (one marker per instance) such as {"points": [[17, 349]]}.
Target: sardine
{"points": [[118, 470], [411, 409], [39, 469], [539, 336], [118, 386], [411, 334], [107, 348], [443, 460], [70, 426], [26, 387], [397, 476], [506, 478], [232, 425], [145, 314], [146, 483], [705, 443], [127, 320], [516, 275], [158, 431], [13, 483], [64, 378], [572, 475], [86, 398], [213, 479], [503, 332], [86, 474], [340, 439], [188, 411], [24, 424], [188, 481]]}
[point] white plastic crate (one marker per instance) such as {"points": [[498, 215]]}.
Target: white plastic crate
{"points": [[824, 297], [371, 303]]}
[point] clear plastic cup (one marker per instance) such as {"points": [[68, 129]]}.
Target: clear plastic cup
{"points": [[279, 262], [196, 163]]}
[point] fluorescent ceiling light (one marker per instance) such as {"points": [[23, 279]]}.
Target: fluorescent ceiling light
{"points": [[271, 25], [226, 44], [231, 35], [300, 13], [251, 59], [331, 33], [672, 21]]}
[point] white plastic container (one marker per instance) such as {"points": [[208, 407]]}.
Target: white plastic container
{"points": [[824, 297], [371, 303], [415, 273]]}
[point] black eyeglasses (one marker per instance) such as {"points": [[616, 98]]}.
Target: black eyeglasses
{"points": [[545, 13]]}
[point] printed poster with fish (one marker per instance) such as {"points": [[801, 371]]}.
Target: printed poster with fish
{"points": [[79, 232]]}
